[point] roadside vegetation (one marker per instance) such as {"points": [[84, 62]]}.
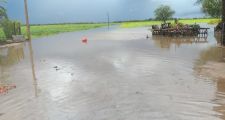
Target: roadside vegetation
{"points": [[158, 22], [3, 15], [8, 28]]}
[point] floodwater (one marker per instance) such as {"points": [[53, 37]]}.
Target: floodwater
{"points": [[117, 75]]}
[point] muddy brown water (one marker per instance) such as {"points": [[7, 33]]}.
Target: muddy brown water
{"points": [[118, 75]]}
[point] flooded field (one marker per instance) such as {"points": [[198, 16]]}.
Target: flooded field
{"points": [[117, 75]]}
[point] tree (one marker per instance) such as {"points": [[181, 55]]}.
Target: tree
{"points": [[211, 7], [3, 12], [164, 13], [223, 11], [215, 8]]}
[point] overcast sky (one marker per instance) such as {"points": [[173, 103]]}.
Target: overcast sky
{"points": [[60, 11]]}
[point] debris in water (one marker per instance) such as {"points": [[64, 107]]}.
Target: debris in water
{"points": [[55, 67]]}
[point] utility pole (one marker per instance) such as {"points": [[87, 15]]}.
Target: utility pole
{"points": [[29, 40], [108, 19]]}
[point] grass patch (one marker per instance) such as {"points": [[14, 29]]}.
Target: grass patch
{"points": [[216, 21], [38, 31], [2, 36], [150, 23]]}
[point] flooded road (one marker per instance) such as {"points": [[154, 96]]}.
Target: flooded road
{"points": [[117, 75]]}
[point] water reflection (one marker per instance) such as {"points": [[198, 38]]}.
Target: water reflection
{"points": [[220, 96], [218, 37], [168, 42], [212, 54], [211, 60], [11, 55], [8, 57]]}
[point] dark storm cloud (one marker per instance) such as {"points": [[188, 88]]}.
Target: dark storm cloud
{"points": [[55, 11]]}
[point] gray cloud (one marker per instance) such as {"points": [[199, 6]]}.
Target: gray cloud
{"points": [[56, 11]]}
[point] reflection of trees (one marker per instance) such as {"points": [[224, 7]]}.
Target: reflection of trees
{"points": [[213, 54], [218, 37], [8, 57], [167, 42], [220, 96], [14, 55]]}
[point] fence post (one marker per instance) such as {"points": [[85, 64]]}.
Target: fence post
{"points": [[19, 25], [14, 28]]}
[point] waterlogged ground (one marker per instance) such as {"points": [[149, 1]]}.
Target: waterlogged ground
{"points": [[118, 75]]}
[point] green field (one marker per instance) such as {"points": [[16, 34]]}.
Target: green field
{"points": [[149, 23], [46, 30], [38, 31]]}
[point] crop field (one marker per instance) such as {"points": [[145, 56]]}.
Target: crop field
{"points": [[46, 30], [184, 21], [38, 31]]}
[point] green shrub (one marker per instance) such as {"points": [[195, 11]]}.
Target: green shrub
{"points": [[17, 29], [7, 27], [2, 36], [10, 28]]}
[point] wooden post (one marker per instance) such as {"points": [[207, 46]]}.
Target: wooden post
{"points": [[14, 28], [19, 25], [30, 42], [108, 19], [27, 21]]}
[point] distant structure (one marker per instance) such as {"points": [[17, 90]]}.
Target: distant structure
{"points": [[167, 29], [108, 19]]}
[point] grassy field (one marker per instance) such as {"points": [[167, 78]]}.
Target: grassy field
{"points": [[149, 23], [38, 31], [46, 30]]}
